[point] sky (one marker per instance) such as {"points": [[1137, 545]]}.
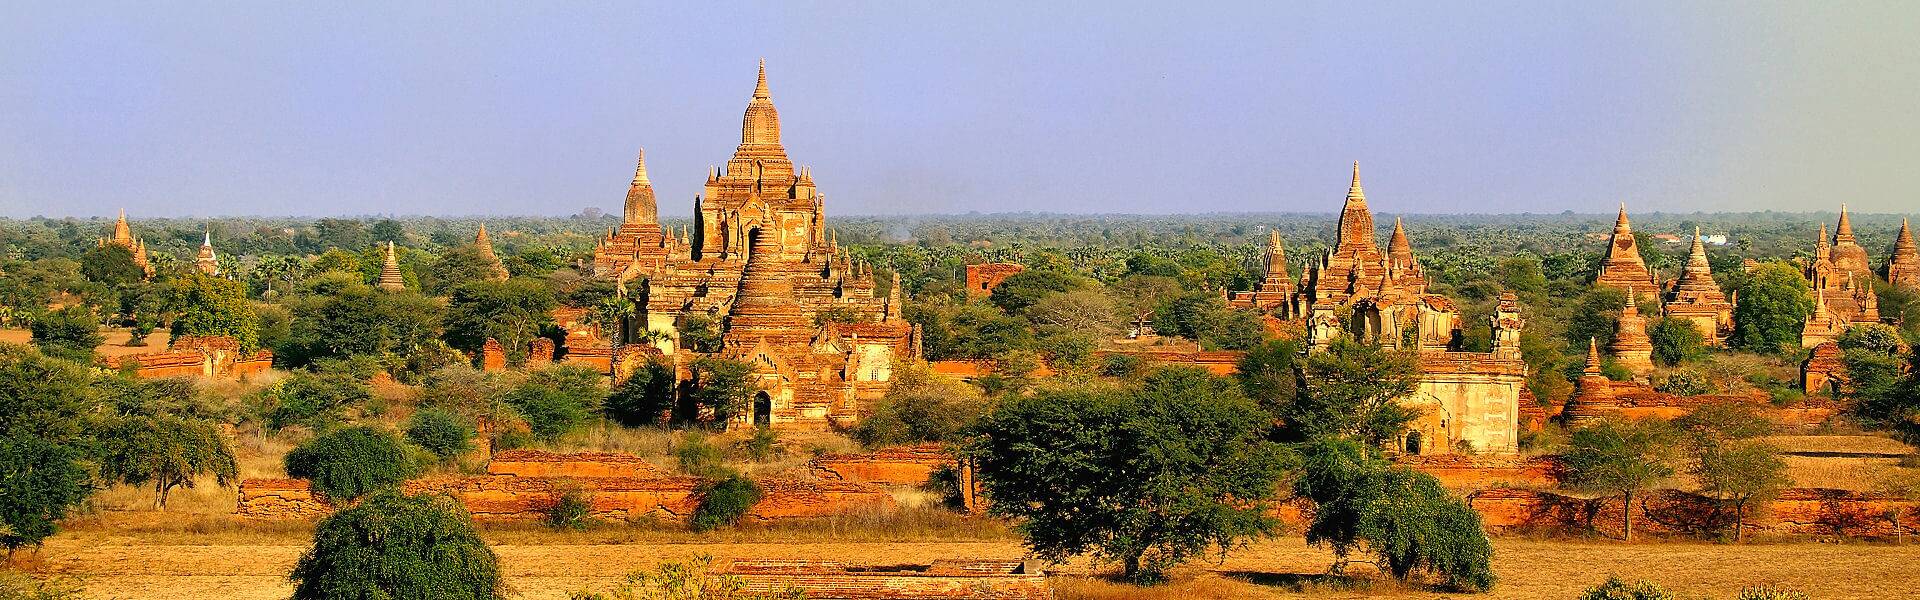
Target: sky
{"points": [[455, 109]]}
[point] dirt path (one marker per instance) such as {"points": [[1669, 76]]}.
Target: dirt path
{"points": [[1528, 569]]}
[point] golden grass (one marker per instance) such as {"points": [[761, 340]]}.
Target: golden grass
{"points": [[1857, 474], [1839, 444]]}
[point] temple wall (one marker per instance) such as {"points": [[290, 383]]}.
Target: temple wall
{"points": [[522, 485], [1482, 472], [909, 465], [1475, 408], [1798, 511]]}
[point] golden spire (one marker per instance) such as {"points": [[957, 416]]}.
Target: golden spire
{"points": [[1620, 223], [640, 207], [1843, 232], [390, 279], [1354, 193], [640, 169], [760, 87], [1593, 357], [1356, 222]]}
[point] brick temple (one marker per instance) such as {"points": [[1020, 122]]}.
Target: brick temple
{"points": [[760, 261]]}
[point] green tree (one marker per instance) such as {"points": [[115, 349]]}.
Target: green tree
{"points": [[512, 312], [212, 306], [723, 388], [40, 483], [699, 334], [1148, 475], [1773, 304], [1725, 454], [45, 397], [70, 333], [441, 432], [558, 399], [1619, 457], [352, 462], [1871, 336], [166, 450], [1676, 341], [1403, 516], [394, 546], [1595, 316], [921, 407], [1354, 390], [645, 398], [111, 265], [458, 266], [314, 400], [1015, 294], [354, 319], [1522, 274], [1267, 375]]}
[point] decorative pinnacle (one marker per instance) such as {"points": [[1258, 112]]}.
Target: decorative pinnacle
{"points": [[760, 88], [1621, 221], [640, 169], [1354, 192]]}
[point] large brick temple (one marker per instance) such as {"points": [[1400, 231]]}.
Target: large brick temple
{"points": [[760, 262]]}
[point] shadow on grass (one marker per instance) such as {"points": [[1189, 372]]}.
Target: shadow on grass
{"points": [[1323, 582]]}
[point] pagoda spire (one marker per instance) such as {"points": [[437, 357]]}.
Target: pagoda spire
{"points": [[1593, 358], [390, 279], [1903, 266], [484, 245], [760, 87], [1843, 233], [761, 126], [206, 261], [1623, 268], [1356, 221], [640, 207]]}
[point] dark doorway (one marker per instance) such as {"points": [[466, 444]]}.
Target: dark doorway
{"points": [[762, 410], [1413, 443]]}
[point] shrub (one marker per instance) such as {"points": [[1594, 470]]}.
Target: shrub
{"points": [[724, 502], [40, 483], [315, 400], [1684, 383], [573, 510], [166, 450], [645, 397], [558, 399], [351, 462], [1615, 589], [19, 586], [395, 546], [691, 580], [700, 458], [443, 433], [921, 407], [1120, 365], [763, 446], [1768, 593], [1675, 341], [1404, 516], [70, 333]]}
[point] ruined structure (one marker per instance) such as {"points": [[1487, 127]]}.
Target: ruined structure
{"points": [[484, 246], [1696, 297], [1903, 265], [760, 261], [1468, 400], [1622, 268], [122, 236], [390, 279], [954, 579], [205, 261], [1631, 348], [196, 356], [1842, 283], [983, 277]]}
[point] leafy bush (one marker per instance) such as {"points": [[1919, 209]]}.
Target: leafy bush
{"points": [[395, 546], [921, 407], [644, 398], [441, 432], [1615, 589], [166, 450], [1768, 593], [558, 399], [1676, 341], [691, 580], [1404, 516], [701, 458], [70, 333], [351, 462], [573, 510], [19, 586], [1870, 336], [763, 446], [724, 502], [1120, 365], [40, 483], [315, 400], [1684, 383]]}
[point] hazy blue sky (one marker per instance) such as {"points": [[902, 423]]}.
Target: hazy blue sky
{"points": [[537, 108]]}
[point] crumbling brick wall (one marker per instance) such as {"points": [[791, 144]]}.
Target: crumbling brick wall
{"points": [[946, 578], [903, 465], [1797, 511]]}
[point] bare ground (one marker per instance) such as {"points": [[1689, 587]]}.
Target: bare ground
{"points": [[136, 568]]}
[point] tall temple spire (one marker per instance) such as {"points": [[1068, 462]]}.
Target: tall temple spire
{"points": [[484, 245], [640, 208], [760, 87], [1593, 358], [1399, 251], [1356, 221], [206, 261], [390, 279], [761, 126], [1622, 268], [1843, 232], [1848, 255], [1903, 266]]}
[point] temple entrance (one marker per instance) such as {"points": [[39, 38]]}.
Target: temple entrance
{"points": [[1413, 443], [762, 410]]}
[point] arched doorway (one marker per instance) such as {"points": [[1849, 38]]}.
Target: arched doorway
{"points": [[1413, 443], [762, 410]]}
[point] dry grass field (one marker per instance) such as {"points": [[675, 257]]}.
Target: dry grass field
{"points": [[549, 566]]}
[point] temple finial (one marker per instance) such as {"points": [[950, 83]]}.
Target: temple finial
{"points": [[760, 88], [1354, 191], [640, 169]]}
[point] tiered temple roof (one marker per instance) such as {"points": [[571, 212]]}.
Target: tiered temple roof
{"points": [[1842, 283], [1623, 267], [1903, 266], [1696, 297], [390, 279], [205, 261], [1355, 268], [1631, 347], [484, 245]]}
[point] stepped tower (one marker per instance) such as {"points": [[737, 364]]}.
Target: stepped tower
{"points": [[205, 261], [390, 279], [1622, 268], [1903, 266], [1631, 348], [1696, 297]]}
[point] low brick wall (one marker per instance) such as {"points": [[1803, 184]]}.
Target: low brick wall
{"points": [[512, 498], [540, 463], [1798, 511], [1481, 472], [906, 465], [944, 579]]}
